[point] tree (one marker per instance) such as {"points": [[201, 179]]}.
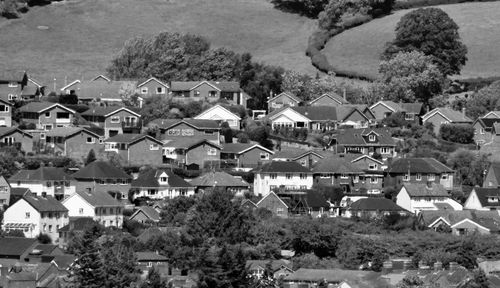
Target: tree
{"points": [[411, 281], [483, 101], [155, 108], [260, 135], [409, 77], [88, 271], [120, 266], [44, 239], [90, 157], [216, 64], [469, 166], [432, 32], [309, 8], [480, 280], [153, 280], [459, 133]]}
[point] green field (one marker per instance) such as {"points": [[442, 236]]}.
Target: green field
{"points": [[84, 35], [359, 49]]}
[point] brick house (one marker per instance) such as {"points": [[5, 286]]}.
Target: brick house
{"points": [[484, 131], [5, 113], [160, 184], [306, 158], [329, 99], [367, 141], [440, 116], [411, 111], [171, 129], [13, 136], [419, 170], [483, 199], [338, 171], [208, 91], [114, 119], [135, 149], [274, 204], [152, 87], [191, 151], [284, 99], [244, 155], [99, 90], [74, 142], [50, 181], [103, 177], [46, 115]]}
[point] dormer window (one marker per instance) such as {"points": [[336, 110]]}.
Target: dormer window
{"points": [[409, 117], [371, 138], [12, 84], [493, 199], [164, 179]]}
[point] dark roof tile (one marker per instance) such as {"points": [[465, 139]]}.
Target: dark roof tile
{"points": [[150, 178], [101, 170]]}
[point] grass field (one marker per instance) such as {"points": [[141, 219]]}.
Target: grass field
{"points": [[84, 35], [359, 49]]}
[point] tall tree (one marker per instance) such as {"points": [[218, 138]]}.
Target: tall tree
{"points": [[432, 32], [483, 101], [153, 280], [120, 265], [88, 270]]}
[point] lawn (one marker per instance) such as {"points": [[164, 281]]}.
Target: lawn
{"points": [[359, 49], [78, 38]]}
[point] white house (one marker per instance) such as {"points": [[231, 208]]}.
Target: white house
{"points": [[99, 205], [483, 199], [281, 175], [288, 117], [50, 181], [35, 215], [222, 114], [416, 197], [161, 184]]}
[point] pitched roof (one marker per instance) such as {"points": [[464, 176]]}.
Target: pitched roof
{"points": [[131, 138], [283, 167], [63, 262], [488, 219], [487, 123], [19, 191], [484, 193], [333, 96], [5, 131], [450, 115], [68, 131], [218, 106], [149, 211], [288, 94], [355, 137], [15, 246], [150, 256], [39, 107], [296, 153], [77, 224], [495, 113], [108, 111], [152, 79], [375, 204], [150, 177], [319, 113], [226, 86], [219, 179], [42, 174], [195, 123], [423, 190], [44, 204], [45, 249], [335, 164], [103, 89], [101, 170], [271, 194], [98, 199], [418, 165], [414, 108], [240, 148], [188, 143]]}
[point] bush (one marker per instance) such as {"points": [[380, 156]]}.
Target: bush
{"points": [[9, 9], [459, 133], [309, 8], [243, 137]]}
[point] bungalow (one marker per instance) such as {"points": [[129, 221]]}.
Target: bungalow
{"points": [[329, 99], [374, 207], [208, 91], [419, 170], [492, 179], [279, 268], [461, 222], [135, 149], [212, 180], [273, 203], [43, 181], [160, 184], [483, 199], [145, 215], [440, 116], [309, 278], [5, 113], [152, 87], [419, 197], [99, 206], [114, 119], [35, 215], [244, 155], [73, 142], [220, 114], [13, 136], [369, 141], [484, 131], [198, 153], [306, 158], [103, 177], [169, 129], [152, 260], [284, 99], [411, 111], [281, 175], [47, 115]]}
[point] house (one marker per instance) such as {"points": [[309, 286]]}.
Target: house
{"points": [[305, 203], [425, 196], [44, 253], [244, 155], [369, 141], [50, 181], [19, 86], [152, 87], [220, 114], [36, 215], [211, 180], [419, 170], [287, 176], [75, 226], [273, 203], [461, 222], [160, 184], [5, 113], [329, 99], [103, 91], [248, 204], [100, 206], [340, 172], [114, 120], [169, 129], [284, 99], [74, 142], [306, 158], [440, 116], [338, 278], [208, 91], [152, 260], [135, 149], [4, 192], [373, 207], [192, 152], [15, 249], [279, 268], [373, 178], [13, 136], [484, 131], [101, 176], [18, 193], [47, 115], [145, 215], [411, 111], [492, 178], [28, 275], [483, 199], [491, 115]]}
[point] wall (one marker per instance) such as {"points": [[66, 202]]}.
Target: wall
{"points": [[152, 89], [275, 205], [26, 141], [470, 227], [263, 182], [380, 111], [52, 120], [199, 155], [437, 120], [183, 130], [17, 214], [252, 157], [37, 187], [102, 215], [281, 101], [4, 192], [163, 192], [51, 225], [490, 181], [404, 200], [473, 203], [78, 149], [481, 137], [141, 154]]}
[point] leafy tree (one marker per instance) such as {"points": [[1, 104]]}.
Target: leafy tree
{"points": [[469, 166], [409, 77], [480, 280], [459, 133], [309, 8], [174, 212], [411, 281], [432, 32], [153, 280], [395, 120], [156, 107], [314, 236], [483, 101], [120, 266], [90, 157], [89, 270], [44, 239], [216, 64], [260, 134]]}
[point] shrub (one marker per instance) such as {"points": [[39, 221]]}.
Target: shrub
{"points": [[243, 137], [9, 9], [459, 133]]}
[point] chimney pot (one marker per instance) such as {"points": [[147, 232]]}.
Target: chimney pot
{"points": [[453, 266], [438, 266]]}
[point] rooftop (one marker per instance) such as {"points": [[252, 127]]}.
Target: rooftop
{"points": [[150, 178], [101, 170], [41, 174], [418, 165], [424, 190], [219, 179], [45, 204], [283, 167], [99, 199]]}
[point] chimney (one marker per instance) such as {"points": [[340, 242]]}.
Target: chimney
{"points": [[387, 267], [344, 94], [463, 112], [453, 266], [438, 266]]}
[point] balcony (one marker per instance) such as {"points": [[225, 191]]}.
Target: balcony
{"points": [[63, 120]]}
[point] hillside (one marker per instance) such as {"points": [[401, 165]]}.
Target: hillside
{"points": [[359, 49], [78, 38]]}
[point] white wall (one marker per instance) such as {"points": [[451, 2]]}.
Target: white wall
{"points": [[77, 207], [403, 200], [17, 214], [38, 188], [263, 182], [80, 208], [473, 203]]}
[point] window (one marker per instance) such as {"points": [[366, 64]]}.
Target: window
{"points": [[115, 119], [372, 166], [355, 179], [196, 93], [150, 264], [12, 84], [371, 138], [101, 140], [324, 175], [279, 211], [50, 228], [409, 117], [27, 215], [343, 176], [208, 132], [212, 93], [444, 177], [80, 211], [303, 162], [431, 177], [303, 176], [264, 156], [385, 150], [154, 147], [163, 179], [42, 135], [159, 90], [144, 90], [48, 127], [288, 176], [44, 227], [212, 151], [492, 199], [273, 176], [12, 97], [47, 114], [124, 182], [4, 108], [406, 177], [419, 177], [481, 131], [373, 180], [90, 140]]}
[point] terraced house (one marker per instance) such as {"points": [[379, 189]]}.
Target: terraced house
{"points": [[47, 115]]}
